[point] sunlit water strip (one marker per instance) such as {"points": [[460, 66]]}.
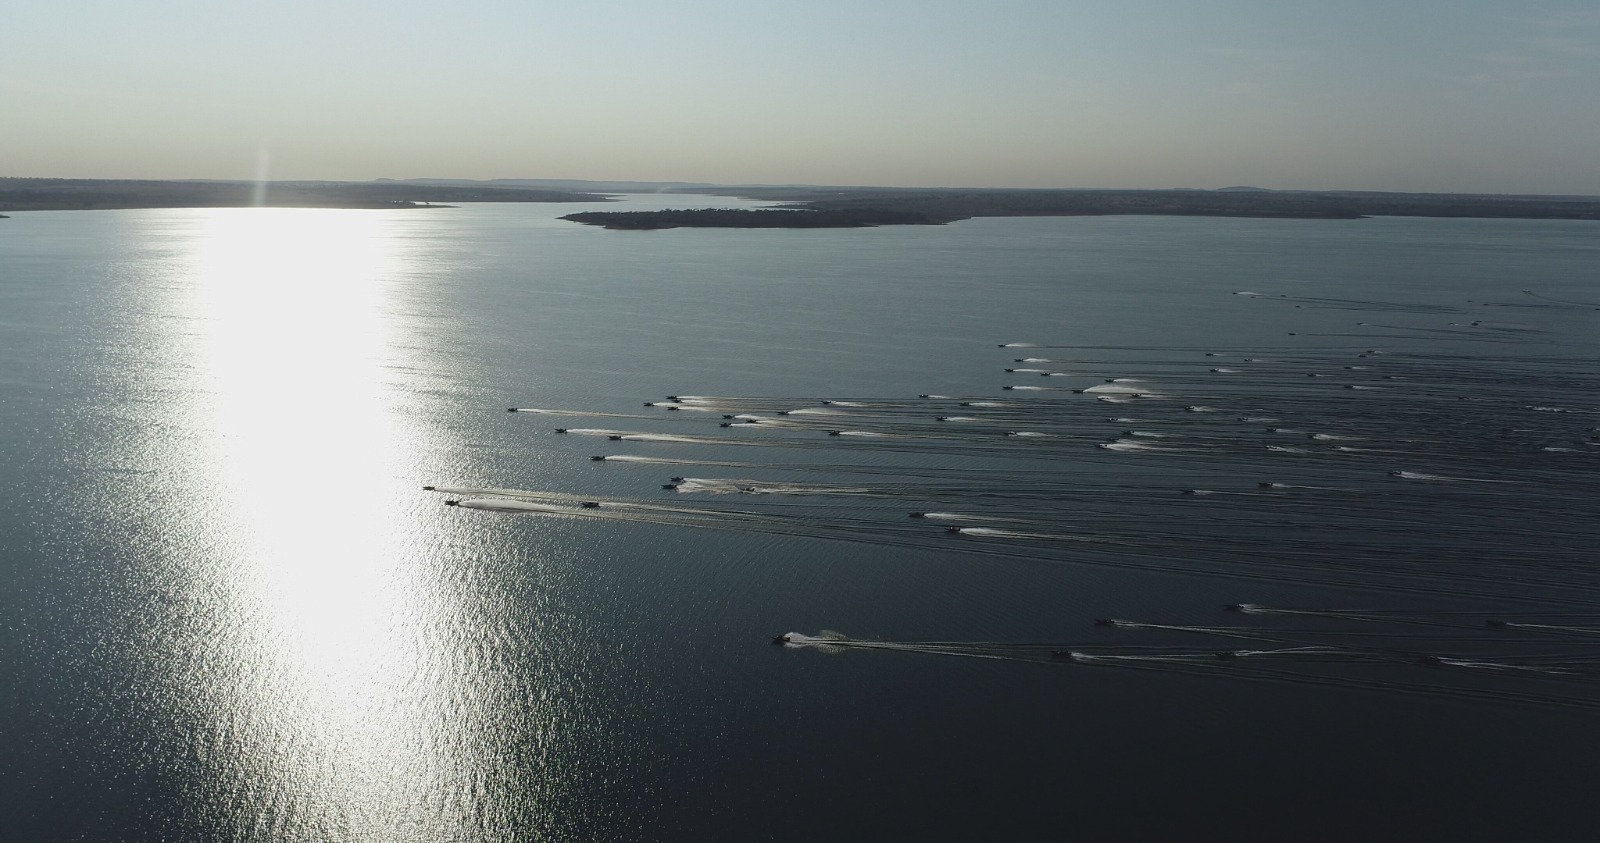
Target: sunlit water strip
{"points": [[327, 704]]}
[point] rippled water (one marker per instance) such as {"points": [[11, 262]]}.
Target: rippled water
{"points": [[231, 611]]}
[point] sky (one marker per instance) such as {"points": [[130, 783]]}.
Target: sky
{"points": [[1419, 95]]}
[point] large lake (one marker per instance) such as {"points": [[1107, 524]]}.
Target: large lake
{"points": [[230, 611]]}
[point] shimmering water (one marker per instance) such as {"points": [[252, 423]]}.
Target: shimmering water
{"points": [[231, 612]]}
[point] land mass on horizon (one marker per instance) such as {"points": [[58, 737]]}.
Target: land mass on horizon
{"points": [[30, 194], [802, 206], [751, 218], [953, 204]]}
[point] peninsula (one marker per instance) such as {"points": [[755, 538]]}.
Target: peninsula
{"points": [[854, 207], [752, 218]]}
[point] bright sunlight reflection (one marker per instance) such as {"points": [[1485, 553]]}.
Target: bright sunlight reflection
{"points": [[336, 706]]}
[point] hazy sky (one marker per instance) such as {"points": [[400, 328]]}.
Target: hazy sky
{"points": [[1436, 95]]}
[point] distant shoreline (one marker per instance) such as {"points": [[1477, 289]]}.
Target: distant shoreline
{"points": [[749, 218], [99, 194], [862, 208], [951, 205], [804, 207]]}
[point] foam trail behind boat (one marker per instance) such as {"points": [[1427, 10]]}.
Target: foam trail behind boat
{"points": [[543, 412], [633, 458], [507, 505]]}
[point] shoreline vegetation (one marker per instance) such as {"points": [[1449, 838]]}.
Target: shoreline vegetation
{"points": [[803, 206]]}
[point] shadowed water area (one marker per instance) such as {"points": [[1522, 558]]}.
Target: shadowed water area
{"points": [[1118, 528]]}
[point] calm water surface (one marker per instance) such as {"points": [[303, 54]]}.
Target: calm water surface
{"points": [[231, 613]]}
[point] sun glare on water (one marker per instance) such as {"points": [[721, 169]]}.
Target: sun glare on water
{"points": [[331, 706]]}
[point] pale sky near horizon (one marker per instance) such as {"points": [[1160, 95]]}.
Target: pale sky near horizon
{"points": [[1423, 95]]}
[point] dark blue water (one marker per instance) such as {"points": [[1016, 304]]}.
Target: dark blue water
{"points": [[231, 612]]}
